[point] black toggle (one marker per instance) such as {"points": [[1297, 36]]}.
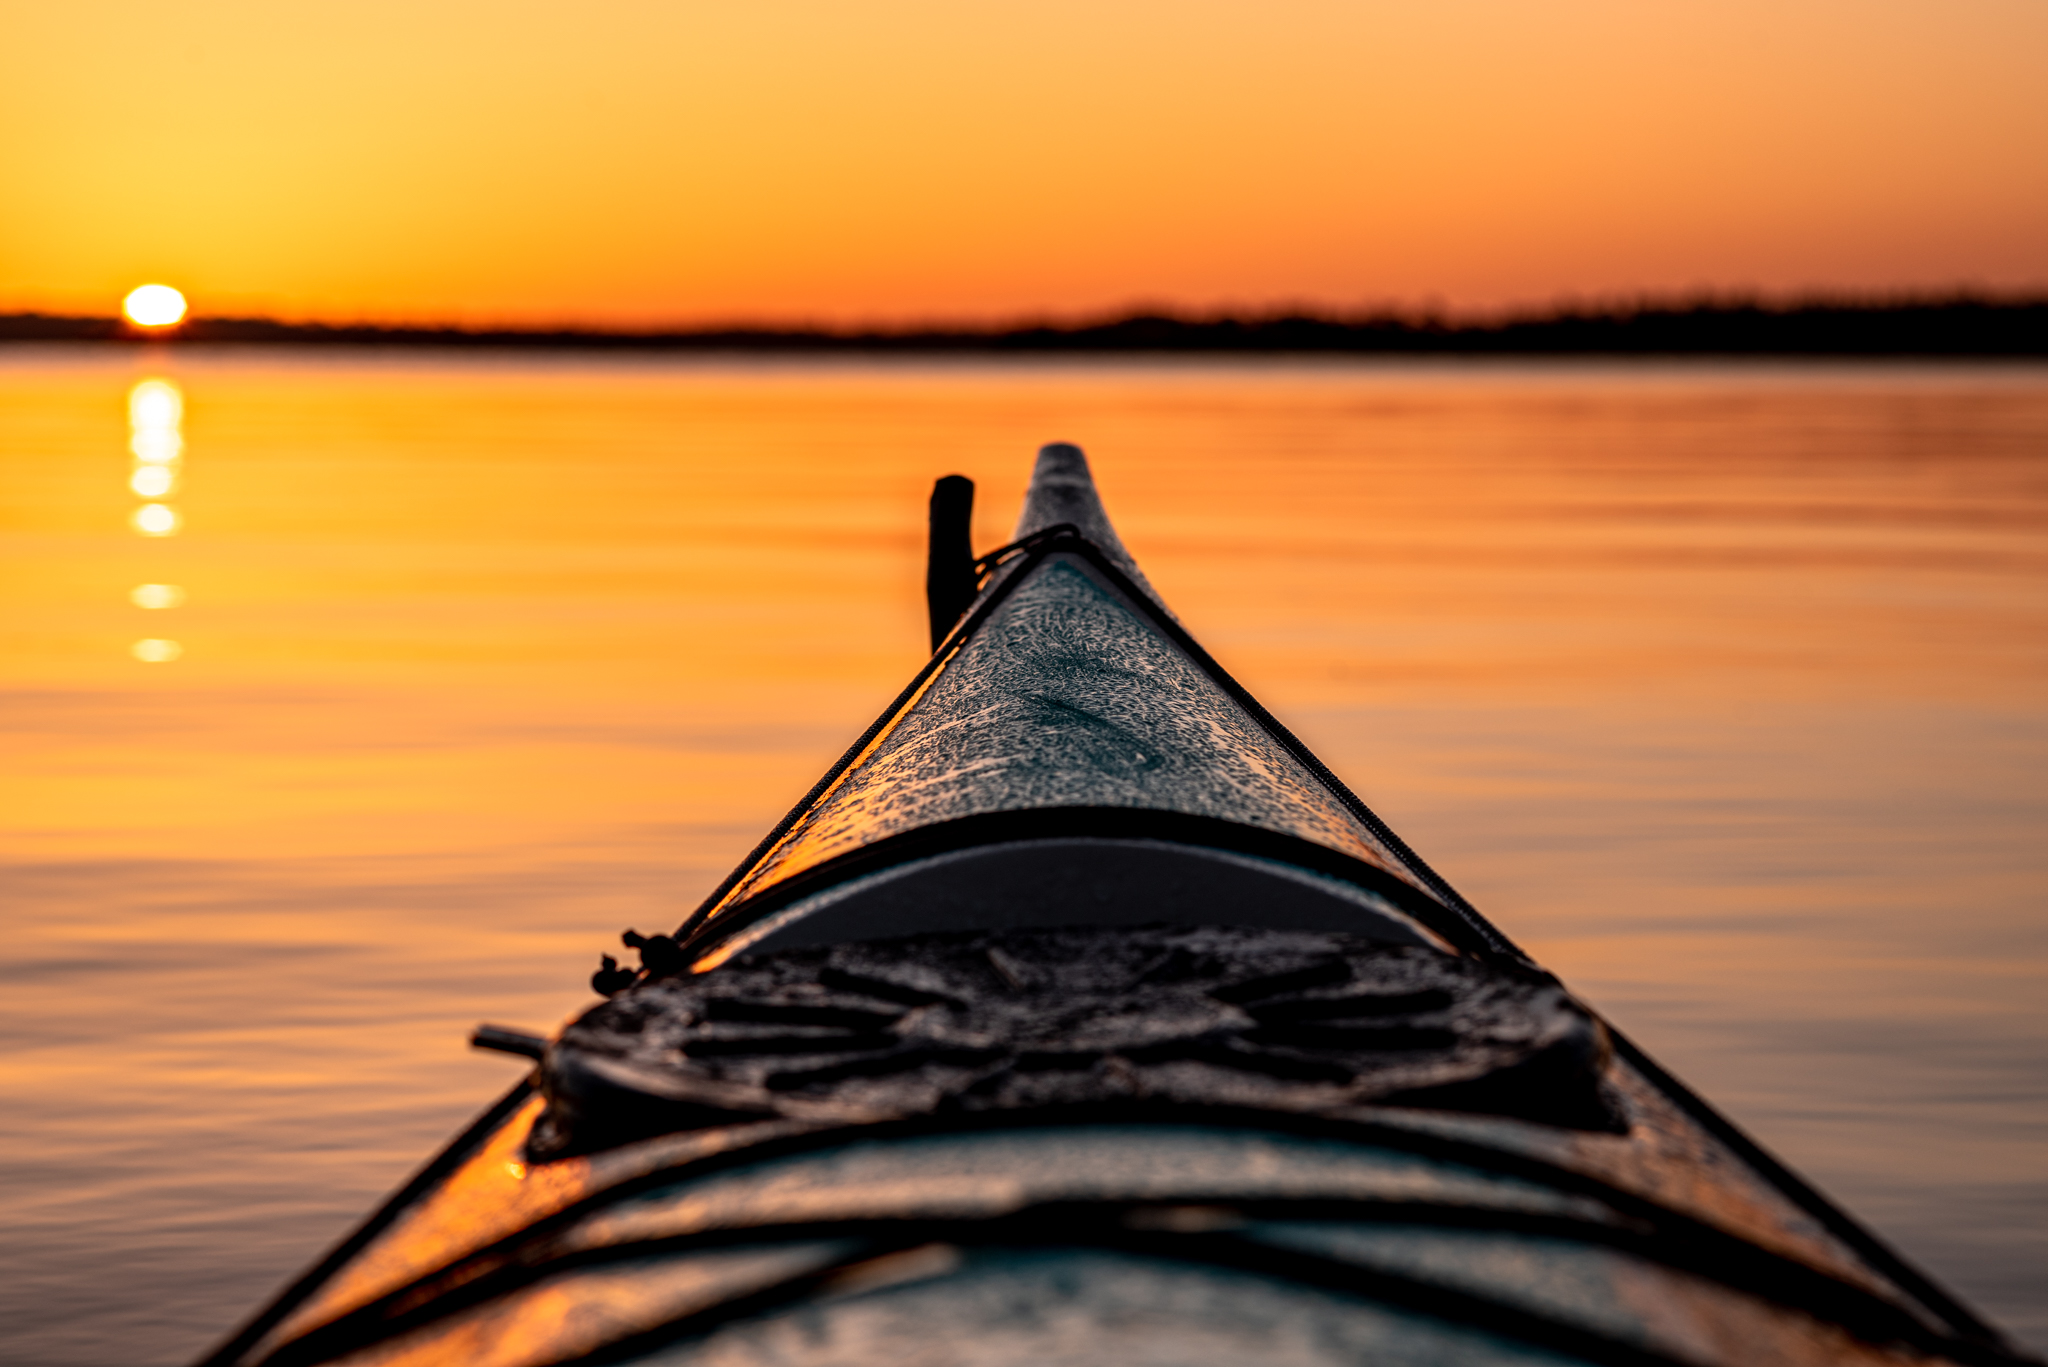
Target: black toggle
{"points": [[660, 955], [949, 574], [610, 979]]}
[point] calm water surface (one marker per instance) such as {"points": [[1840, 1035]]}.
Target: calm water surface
{"points": [[1722, 689]]}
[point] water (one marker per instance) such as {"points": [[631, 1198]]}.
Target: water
{"points": [[1720, 688]]}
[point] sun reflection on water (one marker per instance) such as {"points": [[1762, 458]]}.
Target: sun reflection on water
{"points": [[156, 416], [155, 405], [153, 481], [155, 519], [157, 445], [156, 595]]}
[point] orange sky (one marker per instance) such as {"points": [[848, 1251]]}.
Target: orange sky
{"points": [[632, 161]]}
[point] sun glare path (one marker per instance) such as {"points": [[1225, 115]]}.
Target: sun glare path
{"points": [[155, 405], [156, 411], [156, 596], [153, 481], [154, 519], [156, 415], [157, 448], [154, 306]]}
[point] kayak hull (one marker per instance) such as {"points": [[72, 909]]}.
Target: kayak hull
{"points": [[1080, 1014]]}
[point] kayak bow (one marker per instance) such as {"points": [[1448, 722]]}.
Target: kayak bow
{"points": [[1080, 1014]]}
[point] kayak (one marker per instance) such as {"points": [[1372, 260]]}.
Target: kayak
{"points": [[1080, 1014]]}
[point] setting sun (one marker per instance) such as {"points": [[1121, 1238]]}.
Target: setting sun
{"points": [[909, 160], [154, 306]]}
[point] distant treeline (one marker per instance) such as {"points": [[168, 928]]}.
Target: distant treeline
{"points": [[1942, 327]]}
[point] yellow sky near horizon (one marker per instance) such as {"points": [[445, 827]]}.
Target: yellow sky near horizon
{"points": [[641, 161]]}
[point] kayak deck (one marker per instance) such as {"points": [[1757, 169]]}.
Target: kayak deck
{"points": [[1079, 1014]]}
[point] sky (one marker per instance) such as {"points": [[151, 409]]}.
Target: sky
{"points": [[645, 162]]}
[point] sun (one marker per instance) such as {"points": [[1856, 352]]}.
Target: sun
{"points": [[154, 306]]}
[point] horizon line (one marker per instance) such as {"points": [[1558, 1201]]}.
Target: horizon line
{"points": [[1956, 322]]}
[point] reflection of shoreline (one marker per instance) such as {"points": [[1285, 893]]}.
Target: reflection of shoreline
{"points": [[1960, 325]]}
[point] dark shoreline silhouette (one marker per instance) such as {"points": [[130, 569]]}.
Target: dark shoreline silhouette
{"points": [[1960, 326]]}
